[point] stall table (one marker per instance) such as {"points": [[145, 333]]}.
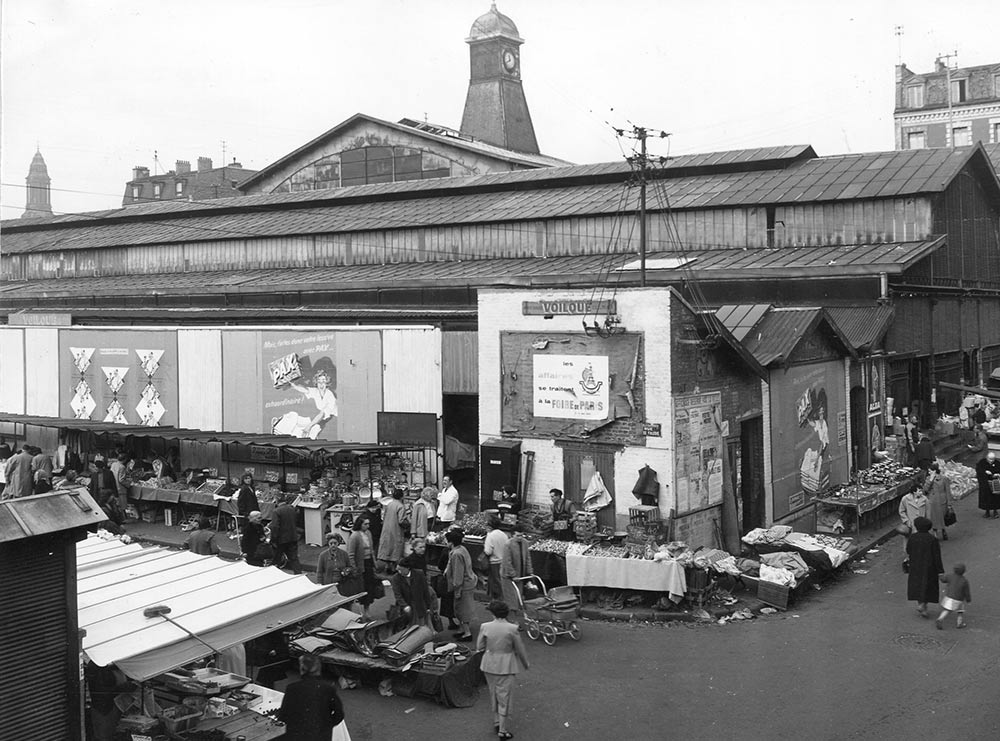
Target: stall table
{"points": [[549, 567], [457, 687], [626, 573], [871, 499], [247, 723], [313, 512]]}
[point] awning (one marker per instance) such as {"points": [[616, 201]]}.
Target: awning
{"points": [[989, 393], [222, 602], [327, 447]]}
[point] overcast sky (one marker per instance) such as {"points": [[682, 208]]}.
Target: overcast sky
{"points": [[102, 85]]}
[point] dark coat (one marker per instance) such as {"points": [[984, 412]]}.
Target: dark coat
{"points": [[331, 565], [984, 473], [253, 536], [310, 709], [925, 454], [283, 525], [246, 501], [924, 553], [413, 592], [203, 543]]}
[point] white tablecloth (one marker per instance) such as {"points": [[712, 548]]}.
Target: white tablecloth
{"points": [[626, 573]]}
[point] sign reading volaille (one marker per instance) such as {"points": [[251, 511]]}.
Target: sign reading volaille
{"points": [[564, 306]]}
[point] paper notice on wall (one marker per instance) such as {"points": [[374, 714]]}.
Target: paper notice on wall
{"points": [[570, 386]]}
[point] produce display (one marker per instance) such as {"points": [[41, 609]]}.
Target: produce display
{"points": [[963, 478], [886, 473], [474, 523], [608, 551], [535, 520]]}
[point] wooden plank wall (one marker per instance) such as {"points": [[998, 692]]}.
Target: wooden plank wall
{"points": [[727, 228], [460, 362]]}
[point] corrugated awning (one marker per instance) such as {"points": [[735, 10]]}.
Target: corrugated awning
{"points": [[328, 447], [222, 602], [864, 326]]}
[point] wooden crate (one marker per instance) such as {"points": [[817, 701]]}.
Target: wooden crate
{"points": [[773, 594]]}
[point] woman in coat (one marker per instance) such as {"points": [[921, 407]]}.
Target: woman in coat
{"points": [[938, 490], [924, 554], [360, 576], [311, 708], [461, 582], [504, 657], [988, 470], [392, 540], [423, 513], [246, 498], [911, 506], [414, 597], [333, 561]]}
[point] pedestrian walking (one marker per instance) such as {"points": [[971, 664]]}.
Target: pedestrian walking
{"points": [[937, 488], [20, 481], [912, 505], [251, 539], [447, 509], [494, 546], [956, 596], [392, 540], [924, 453], [423, 513], [504, 656], [285, 536], [359, 576], [516, 565], [924, 554], [311, 708], [332, 561], [461, 583], [988, 476]]}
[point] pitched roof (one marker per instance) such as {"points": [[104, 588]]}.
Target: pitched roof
{"points": [[467, 143], [863, 326], [779, 330]]}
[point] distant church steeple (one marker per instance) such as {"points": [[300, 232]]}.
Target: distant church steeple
{"points": [[496, 111], [39, 199]]}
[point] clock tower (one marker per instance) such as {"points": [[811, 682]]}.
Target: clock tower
{"points": [[496, 111]]}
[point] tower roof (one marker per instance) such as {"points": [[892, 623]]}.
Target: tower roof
{"points": [[38, 168], [491, 24]]}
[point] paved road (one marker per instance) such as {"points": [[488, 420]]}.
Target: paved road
{"points": [[852, 661]]}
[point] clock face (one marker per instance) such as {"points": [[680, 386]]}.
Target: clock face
{"points": [[509, 60]]}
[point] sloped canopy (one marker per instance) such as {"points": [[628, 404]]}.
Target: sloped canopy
{"points": [[222, 602]]}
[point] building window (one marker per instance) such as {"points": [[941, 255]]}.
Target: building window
{"points": [[995, 131], [157, 190], [958, 91], [961, 136], [915, 140], [136, 192], [996, 86], [179, 188], [915, 96]]}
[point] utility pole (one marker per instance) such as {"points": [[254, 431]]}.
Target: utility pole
{"points": [[898, 30], [641, 164], [947, 66]]}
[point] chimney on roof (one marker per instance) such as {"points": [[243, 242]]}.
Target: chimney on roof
{"points": [[139, 172], [183, 167], [939, 65], [234, 163], [204, 164]]}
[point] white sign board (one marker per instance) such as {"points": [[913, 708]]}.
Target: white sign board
{"points": [[571, 386]]}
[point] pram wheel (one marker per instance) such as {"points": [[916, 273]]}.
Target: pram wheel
{"points": [[574, 631], [532, 630], [549, 634]]}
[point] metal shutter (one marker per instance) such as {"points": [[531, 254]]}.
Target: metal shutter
{"points": [[34, 630]]}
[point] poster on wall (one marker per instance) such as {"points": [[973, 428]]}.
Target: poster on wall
{"points": [[808, 444], [570, 386], [125, 377], [699, 446], [299, 396]]}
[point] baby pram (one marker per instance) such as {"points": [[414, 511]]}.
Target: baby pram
{"points": [[551, 613]]}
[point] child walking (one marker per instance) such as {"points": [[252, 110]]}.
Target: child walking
{"points": [[957, 595]]}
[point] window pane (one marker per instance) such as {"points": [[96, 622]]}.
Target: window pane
{"points": [[962, 136], [915, 96], [915, 140]]}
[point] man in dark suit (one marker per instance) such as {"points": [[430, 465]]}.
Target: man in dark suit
{"points": [[285, 536]]}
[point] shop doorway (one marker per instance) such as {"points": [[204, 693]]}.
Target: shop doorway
{"points": [[460, 427], [752, 473], [860, 447], [580, 462]]}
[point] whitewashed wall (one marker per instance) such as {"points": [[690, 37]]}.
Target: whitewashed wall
{"points": [[12, 392], [199, 379]]}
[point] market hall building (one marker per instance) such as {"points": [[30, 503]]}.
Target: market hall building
{"points": [[881, 268]]}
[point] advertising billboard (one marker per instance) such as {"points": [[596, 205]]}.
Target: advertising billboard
{"points": [[122, 376], [299, 389], [698, 453], [808, 433], [570, 386]]}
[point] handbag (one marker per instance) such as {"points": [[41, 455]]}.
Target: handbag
{"points": [[482, 562], [995, 486], [950, 518], [440, 585], [436, 622]]}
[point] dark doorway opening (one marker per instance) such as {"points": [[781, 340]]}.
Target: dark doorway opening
{"points": [[752, 473]]}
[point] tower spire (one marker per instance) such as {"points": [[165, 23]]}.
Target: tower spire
{"points": [[38, 199]]}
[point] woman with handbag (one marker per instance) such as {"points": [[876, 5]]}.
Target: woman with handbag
{"points": [[937, 487], [461, 582], [359, 576], [988, 476]]}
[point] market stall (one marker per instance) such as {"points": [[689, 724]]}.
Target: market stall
{"points": [[871, 496], [149, 612]]}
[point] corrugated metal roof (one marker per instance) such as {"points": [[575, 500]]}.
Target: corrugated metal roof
{"points": [[41, 514], [740, 319], [864, 326], [778, 332], [500, 197], [787, 262]]}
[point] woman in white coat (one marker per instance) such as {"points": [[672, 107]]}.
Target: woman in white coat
{"points": [[504, 657]]}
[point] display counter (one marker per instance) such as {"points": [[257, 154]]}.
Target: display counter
{"points": [[626, 573], [870, 501], [191, 498]]}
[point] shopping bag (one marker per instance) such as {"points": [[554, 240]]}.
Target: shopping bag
{"points": [[482, 562], [950, 518], [995, 486], [340, 732]]}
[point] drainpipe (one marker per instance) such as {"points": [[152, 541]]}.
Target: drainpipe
{"points": [[883, 286]]}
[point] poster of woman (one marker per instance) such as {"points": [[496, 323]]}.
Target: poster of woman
{"points": [[814, 471], [301, 399]]}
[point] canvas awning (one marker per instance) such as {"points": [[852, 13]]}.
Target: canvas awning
{"points": [[221, 602]]}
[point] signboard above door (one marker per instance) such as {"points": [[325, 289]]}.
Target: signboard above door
{"points": [[573, 306]]}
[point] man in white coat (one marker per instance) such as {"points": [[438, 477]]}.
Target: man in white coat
{"points": [[447, 505]]}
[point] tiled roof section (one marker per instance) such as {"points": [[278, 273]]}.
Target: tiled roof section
{"points": [[993, 151], [778, 332], [791, 262], [863, 326]]}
